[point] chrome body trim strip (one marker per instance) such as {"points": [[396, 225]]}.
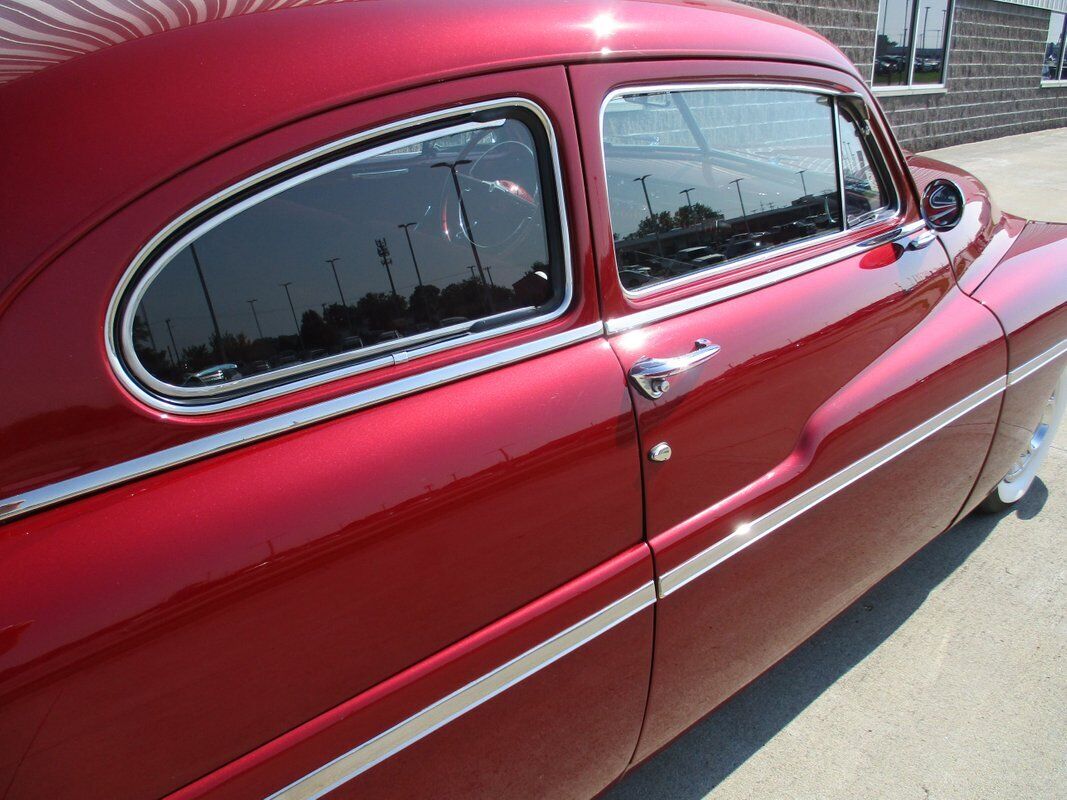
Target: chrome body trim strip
{"points": [[360, 759], [743, 262], [667, 310], [196, 449], [1036, 363], [180, 400], [752, 532]]}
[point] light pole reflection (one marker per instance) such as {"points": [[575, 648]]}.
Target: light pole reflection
{"points": [[411, 248], [744, 214], [292, 308], [255, 316], [452, 165]]}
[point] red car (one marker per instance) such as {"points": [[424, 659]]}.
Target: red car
{"points": [[568, 364]]}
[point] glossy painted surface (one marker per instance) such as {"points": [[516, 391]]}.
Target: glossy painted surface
{"points": [[1028, 293], [813, 374], [984, 235], [268, 69], [145, 625], [225, 628], [83, 419]]}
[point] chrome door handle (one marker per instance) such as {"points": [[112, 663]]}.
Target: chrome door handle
{"points": [[650, 375], [922, 239], [882, 238]]}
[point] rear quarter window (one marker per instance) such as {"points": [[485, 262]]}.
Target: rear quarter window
{"points": [[414, 242]]}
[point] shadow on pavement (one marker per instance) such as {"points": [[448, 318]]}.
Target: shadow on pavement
{"points": [[706, 755]]}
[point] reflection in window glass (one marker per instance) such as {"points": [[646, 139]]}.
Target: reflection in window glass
{"points": [[911, 46], [1053, 67], [397, 249], [893, 43], [931, 28], [864, 192], [701, 178]]}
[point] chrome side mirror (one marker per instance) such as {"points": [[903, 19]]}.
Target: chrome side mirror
{"points": [[943, 204]]}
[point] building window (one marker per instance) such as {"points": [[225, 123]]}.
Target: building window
{"points": [[404, 245], [911, 49], [1054, 68]]}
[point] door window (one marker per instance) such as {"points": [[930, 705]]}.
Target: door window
{"points": [[867, 193], [703, 180]]}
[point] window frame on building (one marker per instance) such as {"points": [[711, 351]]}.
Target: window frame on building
{"points": [[1059, 81], [189, 226], [910, 87]]}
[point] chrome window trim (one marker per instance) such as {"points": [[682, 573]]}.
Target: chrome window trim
{"points": [[672, 309], [363, 757], [125, 471], [749, 534], [183, 401], [747, 261]]}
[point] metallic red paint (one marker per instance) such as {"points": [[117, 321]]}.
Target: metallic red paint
{"points": [[814, 373], [224, 628], [82, 418]]}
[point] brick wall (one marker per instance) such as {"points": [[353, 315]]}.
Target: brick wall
{"points": [[994, 70]]}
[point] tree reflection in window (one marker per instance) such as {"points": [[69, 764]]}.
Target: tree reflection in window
{"points": [[398, 248]]}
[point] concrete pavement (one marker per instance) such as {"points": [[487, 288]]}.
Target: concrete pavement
{"points": [[1025, 174], [947, 680]]}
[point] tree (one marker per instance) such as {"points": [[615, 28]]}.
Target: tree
{"points": [[663, 221], [424, 303], [380, 311], [695, 214], [314, 331]]}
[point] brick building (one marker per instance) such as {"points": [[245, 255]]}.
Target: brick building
{"points": [[1002, 72]]}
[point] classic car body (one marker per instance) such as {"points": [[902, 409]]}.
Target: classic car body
{"points": [[452, 555]]}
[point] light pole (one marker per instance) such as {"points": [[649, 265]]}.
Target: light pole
{"points": [[174, 344], [803, 183], [382, 247], [744, 214], [926, 18], [451, 165], [292, 308], [210, 306], [651, 214], [148, 325], [411, 249], [688, 200], [333, 265], [255, 316]]}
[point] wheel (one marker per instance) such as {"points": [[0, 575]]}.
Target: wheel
{"points": [[1019, 478]]}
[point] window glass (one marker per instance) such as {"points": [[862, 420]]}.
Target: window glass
{"points": [[702, 178], [931, 28], [397, 247], [893, 43], [1052, 68], [865, 193], [911, 44]]}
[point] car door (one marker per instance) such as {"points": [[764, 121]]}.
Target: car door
{"points": [[341, 492], [814, 395]]}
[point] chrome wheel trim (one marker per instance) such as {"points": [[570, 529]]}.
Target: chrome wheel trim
{"points": [[1019, 478]]}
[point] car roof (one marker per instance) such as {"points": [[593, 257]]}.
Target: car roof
{"points": [[104, 99]]}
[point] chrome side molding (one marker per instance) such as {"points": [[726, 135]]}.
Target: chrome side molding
{"points": [[361, 758], [752, 532], [104, 478], [1037, 362]]}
